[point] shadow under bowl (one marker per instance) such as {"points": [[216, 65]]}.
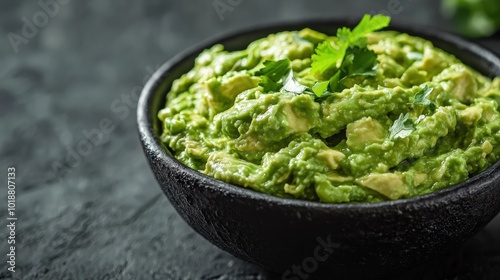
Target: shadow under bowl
{"points": [[300, 238]]}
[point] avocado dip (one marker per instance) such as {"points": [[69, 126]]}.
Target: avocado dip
{"points": [[363, 116]]}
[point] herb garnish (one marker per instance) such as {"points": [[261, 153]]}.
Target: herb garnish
{"points": [[272, 74], [278, 75], [420, 98], [347, 54], [402, 127]]}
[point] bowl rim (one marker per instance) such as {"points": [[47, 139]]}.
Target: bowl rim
{"points": [[152, 144]]}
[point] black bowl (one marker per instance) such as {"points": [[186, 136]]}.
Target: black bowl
{"points": [[299, 238]]}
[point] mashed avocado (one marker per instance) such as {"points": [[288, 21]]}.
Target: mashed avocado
{"points": [[394, 117]]}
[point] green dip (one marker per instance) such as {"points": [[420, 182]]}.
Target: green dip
{"points": [[420, 122]]}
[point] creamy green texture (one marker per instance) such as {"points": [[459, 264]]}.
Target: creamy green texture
{"points": [[350, 146]]}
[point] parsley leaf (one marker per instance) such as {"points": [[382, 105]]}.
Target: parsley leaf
{"points": [[327, 56], [272, 74], [402, 127], [420, 98]]}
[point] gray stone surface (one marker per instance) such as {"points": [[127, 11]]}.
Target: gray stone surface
{"points": [[94, 211]]}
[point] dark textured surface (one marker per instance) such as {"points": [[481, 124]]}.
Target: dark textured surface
{"points": [[103, 215]]}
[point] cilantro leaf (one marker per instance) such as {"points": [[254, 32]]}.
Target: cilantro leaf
{"points": [[273, 73], [363, 63], [357, 62], [402, 127], [335, 81], [275, 70], [327, 56], [290, 84], [269, 85], [344, 34], [368, 24], [278, 75], [320, 88], [420, 98]]}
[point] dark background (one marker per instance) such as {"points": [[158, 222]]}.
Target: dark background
{"points": [[100, 214]]}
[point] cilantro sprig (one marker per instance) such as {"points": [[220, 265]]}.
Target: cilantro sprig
{"points": [[346, 55], [335, 60]]}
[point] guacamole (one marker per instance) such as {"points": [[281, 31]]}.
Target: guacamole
{"points": [[394, 117]]}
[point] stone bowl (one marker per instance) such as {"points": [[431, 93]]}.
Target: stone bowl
{"points": [[302, 239]]}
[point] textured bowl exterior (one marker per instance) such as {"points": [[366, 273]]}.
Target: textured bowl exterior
{"points": [[299, 238]]}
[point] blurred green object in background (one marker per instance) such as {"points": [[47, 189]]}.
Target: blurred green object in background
{"points": [[473, 18]]}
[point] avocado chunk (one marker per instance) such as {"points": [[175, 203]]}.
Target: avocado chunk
{"points": [[390, 185], [331, 157], [460, 83], [364, 132], [221, 91], [470, 116]]}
